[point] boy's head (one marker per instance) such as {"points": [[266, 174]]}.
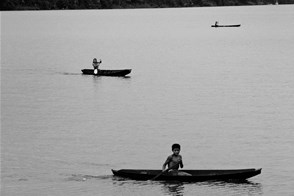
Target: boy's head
{"points": [[176, 148]]}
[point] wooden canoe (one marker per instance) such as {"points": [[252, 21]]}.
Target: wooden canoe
{"points": [[196, 175], [103, 72], [238, 25]]}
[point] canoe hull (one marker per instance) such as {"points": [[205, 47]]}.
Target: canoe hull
{"points": [[103, 72], [225, 25], [196, 175]]}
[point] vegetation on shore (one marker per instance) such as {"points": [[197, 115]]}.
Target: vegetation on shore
{"points": [[119, 4]]}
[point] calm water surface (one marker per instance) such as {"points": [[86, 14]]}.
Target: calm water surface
{"points": [[226, 95]]}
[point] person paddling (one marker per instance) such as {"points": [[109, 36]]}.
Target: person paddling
{"points": [[96, 65], [175, 161]]}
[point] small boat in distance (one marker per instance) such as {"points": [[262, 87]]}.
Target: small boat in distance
{"points": [[238, 25], [103, 72], [217, 25], [196, 175]]}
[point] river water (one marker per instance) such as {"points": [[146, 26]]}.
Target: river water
{"points": [[225, 94]]}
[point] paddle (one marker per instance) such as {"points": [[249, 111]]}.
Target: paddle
{"points": [[172, 167]]}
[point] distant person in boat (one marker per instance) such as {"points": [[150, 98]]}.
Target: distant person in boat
{"points": [[216, 23], [96, 65], [175, 161]]}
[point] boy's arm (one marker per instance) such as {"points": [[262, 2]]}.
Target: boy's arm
{"points": [[181, 162], [163, 166], [165, 163]]}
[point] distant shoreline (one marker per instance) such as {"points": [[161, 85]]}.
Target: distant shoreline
{"points": [[23, 5]]}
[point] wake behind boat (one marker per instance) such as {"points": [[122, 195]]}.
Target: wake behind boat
{"points": [[196, 175], [103, 72]]}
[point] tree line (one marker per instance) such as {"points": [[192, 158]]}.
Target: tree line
{"points": [[118, 4]]}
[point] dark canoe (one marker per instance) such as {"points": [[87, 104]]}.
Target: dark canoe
{"points": [[102, 72], [196, 175], [226, 25]]}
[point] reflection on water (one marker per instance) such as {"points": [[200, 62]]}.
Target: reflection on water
{"points": [[173, 188], [179, 188], [97, 79], [234, 188]]}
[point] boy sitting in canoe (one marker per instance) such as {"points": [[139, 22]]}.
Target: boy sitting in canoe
{"points": [[96, 65], [174, 161]]}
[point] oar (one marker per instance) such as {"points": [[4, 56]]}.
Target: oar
{"points": [[172, 167]]}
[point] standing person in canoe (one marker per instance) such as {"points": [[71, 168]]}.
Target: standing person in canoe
{"points": [[174, 161], [96, 65]]}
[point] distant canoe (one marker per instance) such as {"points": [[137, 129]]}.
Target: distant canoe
{"points": [[196, 175], [238, 25], [103, 72]]}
